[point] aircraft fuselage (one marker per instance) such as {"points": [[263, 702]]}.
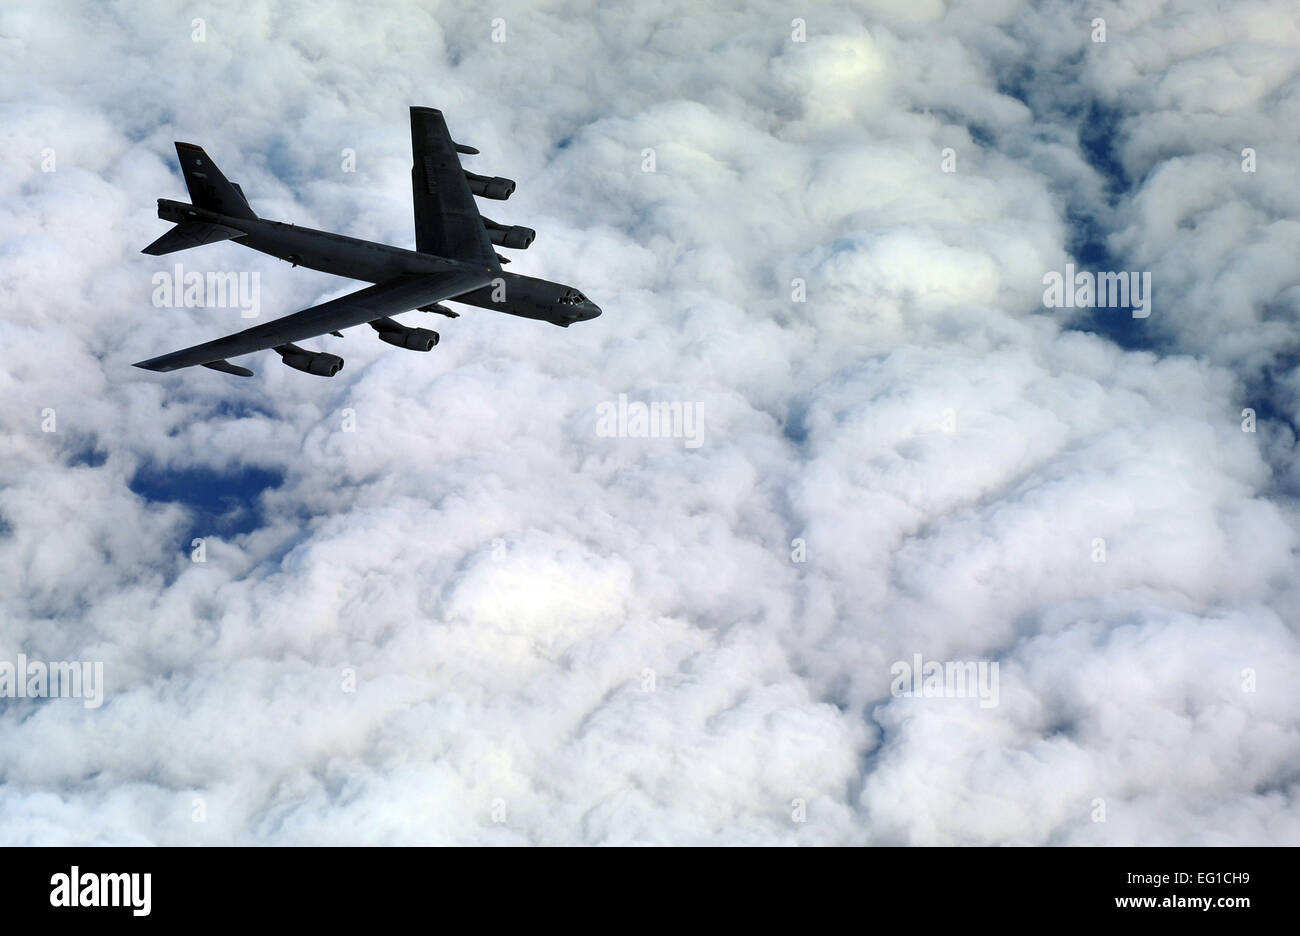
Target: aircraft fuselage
{"points": [[372, 262]]}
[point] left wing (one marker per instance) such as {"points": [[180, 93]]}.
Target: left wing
{"points": [[400, 294], [447, 222]]}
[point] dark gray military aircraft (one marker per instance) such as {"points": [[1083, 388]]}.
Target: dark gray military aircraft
{"points": [[454, 259]]}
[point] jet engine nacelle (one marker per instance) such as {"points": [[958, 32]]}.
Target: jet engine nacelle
{"points": [[493, 187], [413, 339], [512, 236], [310, 362]]}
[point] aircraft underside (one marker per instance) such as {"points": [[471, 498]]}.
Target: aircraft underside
{"points": [[455, 259]]}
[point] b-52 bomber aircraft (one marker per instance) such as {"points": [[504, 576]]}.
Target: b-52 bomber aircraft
{"points": [[454, 259]]}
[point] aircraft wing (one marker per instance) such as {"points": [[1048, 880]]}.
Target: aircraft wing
{"points": [[400, 294], [447, 222]]}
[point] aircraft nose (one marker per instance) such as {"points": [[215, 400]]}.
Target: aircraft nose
{"points": [[590, 311]]}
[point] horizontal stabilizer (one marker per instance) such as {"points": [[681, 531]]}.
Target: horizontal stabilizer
{"points": [[189, 234], [227, 368]]}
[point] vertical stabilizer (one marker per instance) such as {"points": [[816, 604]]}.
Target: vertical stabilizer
{"points": [[208, 187]]}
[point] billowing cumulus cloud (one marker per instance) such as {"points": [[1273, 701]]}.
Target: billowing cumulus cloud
{"points": [[439, 601]]}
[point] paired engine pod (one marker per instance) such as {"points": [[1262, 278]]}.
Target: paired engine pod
{"points": [[493, 187], [513, 236], [413, 339], [310, 362]]}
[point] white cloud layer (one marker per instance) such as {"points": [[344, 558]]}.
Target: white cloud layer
{"points": [[561, 637]]}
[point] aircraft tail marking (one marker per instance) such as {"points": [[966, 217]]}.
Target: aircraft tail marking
{"points": [[209, 188]]}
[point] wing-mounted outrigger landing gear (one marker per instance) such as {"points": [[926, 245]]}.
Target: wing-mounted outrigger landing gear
{"points": [[439, 308], [227, 368]]}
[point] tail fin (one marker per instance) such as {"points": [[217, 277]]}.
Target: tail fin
{"points": [[208, 187]]}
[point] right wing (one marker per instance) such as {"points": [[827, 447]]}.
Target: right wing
{"points": [[401, 294], [447, 222]]}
